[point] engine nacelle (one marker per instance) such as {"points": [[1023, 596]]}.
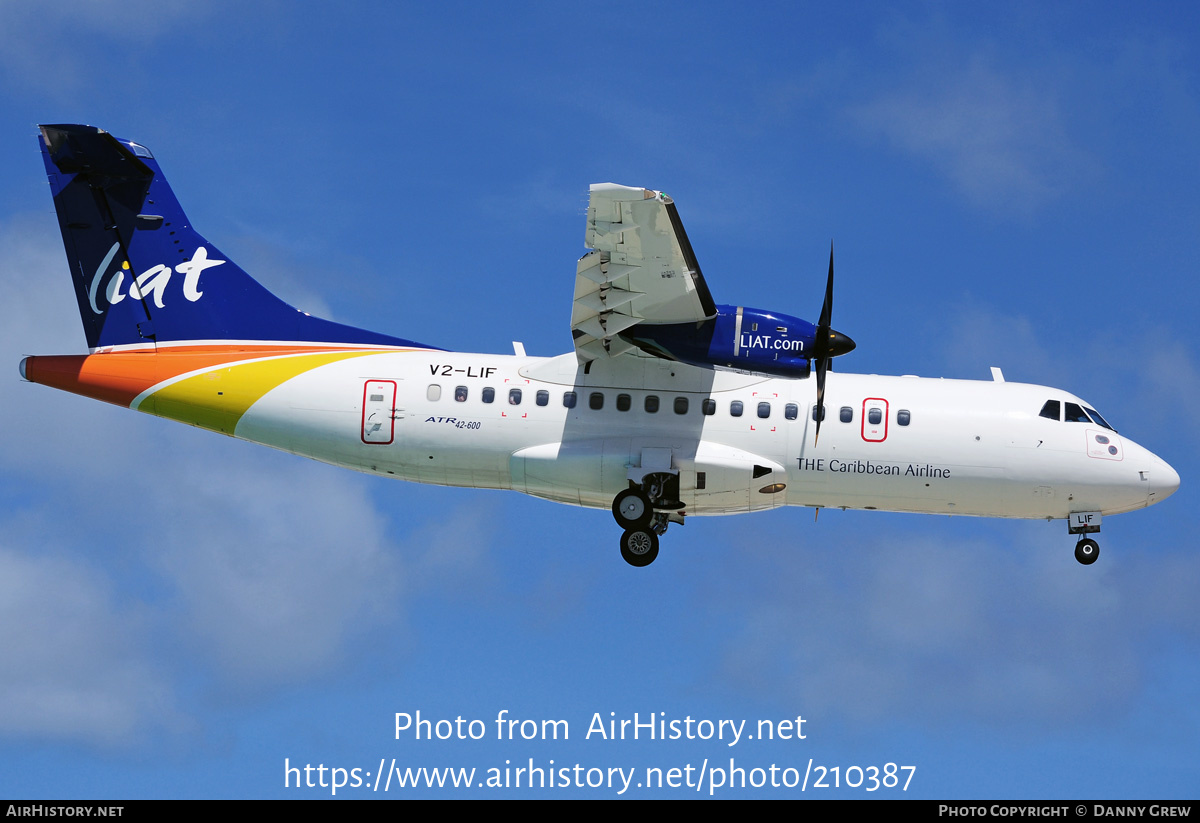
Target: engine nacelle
{"points": [[738, 338]]}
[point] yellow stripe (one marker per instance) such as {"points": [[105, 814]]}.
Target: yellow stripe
{"points": [[218, 398]]}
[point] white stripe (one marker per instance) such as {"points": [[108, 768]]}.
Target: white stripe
{"points": [[137, 401], [227, 342]]}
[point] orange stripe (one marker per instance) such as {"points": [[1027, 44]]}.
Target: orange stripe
{"points": [[119, 377]]}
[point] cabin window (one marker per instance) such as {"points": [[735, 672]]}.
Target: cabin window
{"points": [[875, 416], [791, 411], [651, 404], [514, 397], [708, 406], [489, 394], [735, 408], [764, 410], [818, 410], [460, 394], [903, 417], [681, 405], [434, 392], [569, 399], [596, 401], [543, 397], [623, 402], [1051, 410], [846, 414], [1076, 414]]}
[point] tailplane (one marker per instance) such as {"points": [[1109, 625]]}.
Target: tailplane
{"points": [[143, 276]]}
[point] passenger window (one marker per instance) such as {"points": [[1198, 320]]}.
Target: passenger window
{"points": [[434, 392], [846, 415], [623, 402], [514, 397], [651, 404], [460, 394], [903, 417], [735, 408], [489, 394], [569, 399], [875, 416], [1051, 410], [821, 410], [681, 405], [708, 406], [791, 411], [596, 401], [1075, 414], [543, 397], [764, 410]]}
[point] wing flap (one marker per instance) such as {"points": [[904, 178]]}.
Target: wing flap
{"points": [[641, 270]]}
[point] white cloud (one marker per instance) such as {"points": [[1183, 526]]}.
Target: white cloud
{"points": [[255, 569], [73, 663], [942, 633], [1000, 139], [45, 46], [276, 573], [1169, 379], [975, 339]]}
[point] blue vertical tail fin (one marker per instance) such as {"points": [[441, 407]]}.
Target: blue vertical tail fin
{"points": [[143, 275]]}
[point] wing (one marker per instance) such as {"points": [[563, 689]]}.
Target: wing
{"points": [[641, 270]]}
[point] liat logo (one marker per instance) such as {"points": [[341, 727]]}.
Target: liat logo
{"points": [[150, 283]]}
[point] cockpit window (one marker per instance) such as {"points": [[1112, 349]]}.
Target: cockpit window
{"points": [[1052, 410], [1100, 421], [1076, 414]]}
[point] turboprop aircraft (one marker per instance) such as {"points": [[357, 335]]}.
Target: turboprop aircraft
{"points": [[670, 405]]}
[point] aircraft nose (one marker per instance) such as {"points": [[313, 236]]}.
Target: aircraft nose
{"points": [[1164, 480]]}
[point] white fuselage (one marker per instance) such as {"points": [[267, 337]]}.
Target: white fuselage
{"points": [[905, 443]]}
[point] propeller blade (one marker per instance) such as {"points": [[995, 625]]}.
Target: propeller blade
{"points": [[822, 366], [822, 345], [827, 308]]}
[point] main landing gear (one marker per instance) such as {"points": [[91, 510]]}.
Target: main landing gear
{"points": [[644, 512]]}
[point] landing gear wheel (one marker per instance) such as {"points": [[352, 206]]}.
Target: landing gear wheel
{"points": [[639, 547], [632, 510], [1086, 551]]}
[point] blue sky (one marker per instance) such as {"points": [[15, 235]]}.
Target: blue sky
{"points": [[180, 612]]}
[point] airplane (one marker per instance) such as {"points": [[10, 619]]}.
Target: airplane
{"points": [[670, 406]]}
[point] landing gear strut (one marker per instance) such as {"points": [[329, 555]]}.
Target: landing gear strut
{"points": [[1083, 523], [644, 513]]}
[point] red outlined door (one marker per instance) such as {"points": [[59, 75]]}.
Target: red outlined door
{"points": [[874, 420], [378, 412]]}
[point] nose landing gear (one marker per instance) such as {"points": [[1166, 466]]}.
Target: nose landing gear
{"points": [[1081, 523], [1086, 551]]}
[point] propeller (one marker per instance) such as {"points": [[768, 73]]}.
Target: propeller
{"points": [[828, 344]]}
